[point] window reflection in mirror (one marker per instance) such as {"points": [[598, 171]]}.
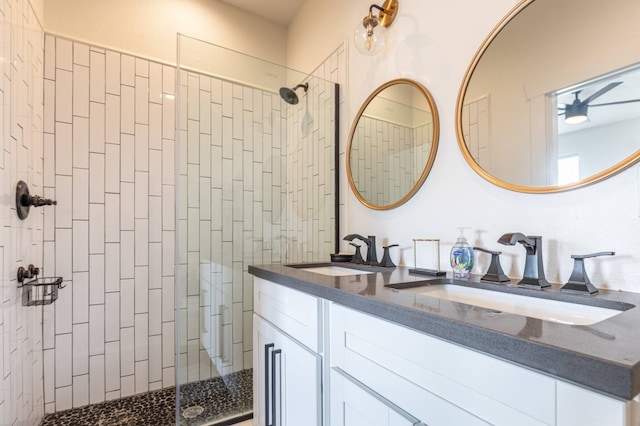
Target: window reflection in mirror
{"points": [[610, 127], [568, 169]]}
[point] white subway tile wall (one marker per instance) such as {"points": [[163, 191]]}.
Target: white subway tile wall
{"points": [[335, 69], [109, 145], [256, 185], [385, 179], [22, 120], [244, 197], [222, 217], [475, 128], [310, 172]]}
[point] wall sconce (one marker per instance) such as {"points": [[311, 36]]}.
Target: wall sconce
{"points": [[369, 36]]}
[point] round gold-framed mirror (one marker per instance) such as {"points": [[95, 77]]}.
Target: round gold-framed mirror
{"points": [[551, 100], [392, 144]]}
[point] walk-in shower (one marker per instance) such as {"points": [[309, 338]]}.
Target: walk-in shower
{"points": [[256, 183], [170, 181]]}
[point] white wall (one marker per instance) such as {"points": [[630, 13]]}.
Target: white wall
{"points": [[433, 42], [38, 9], [148, 27], [318, 29]]}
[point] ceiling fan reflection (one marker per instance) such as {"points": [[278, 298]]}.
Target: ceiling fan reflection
{"points": [[577, 111]]}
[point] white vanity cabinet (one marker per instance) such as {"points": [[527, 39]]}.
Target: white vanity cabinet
{"points": [[287, 366], [317, 362], [442, 383]]}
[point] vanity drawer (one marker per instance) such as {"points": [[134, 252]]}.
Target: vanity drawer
{"points": [[354, 404], [433, 379], [295, 313]]}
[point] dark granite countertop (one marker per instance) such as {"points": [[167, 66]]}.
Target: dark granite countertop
{"points": [[604, 357]]}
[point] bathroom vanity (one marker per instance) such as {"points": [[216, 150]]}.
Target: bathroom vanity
{"points": [[343, 347]]}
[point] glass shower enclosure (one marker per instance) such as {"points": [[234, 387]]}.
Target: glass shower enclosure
{"points": [[256, 183]]}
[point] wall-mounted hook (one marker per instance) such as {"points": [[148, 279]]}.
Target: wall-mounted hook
{"points": [[24, 201]]}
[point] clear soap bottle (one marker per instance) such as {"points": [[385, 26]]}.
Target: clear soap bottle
{"points": [[461, 257]]}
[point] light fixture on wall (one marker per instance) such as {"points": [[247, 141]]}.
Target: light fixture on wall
{"points": [[369, 36]]}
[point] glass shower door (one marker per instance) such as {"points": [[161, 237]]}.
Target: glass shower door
{"points": [[255, 184]]}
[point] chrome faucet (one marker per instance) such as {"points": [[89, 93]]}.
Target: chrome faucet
{"points": [[533, 268], [372, 256]]}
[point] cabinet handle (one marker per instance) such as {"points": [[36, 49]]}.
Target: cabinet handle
{"points": [[275, 397], [267, 384]]}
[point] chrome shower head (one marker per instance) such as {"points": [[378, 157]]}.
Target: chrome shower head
{"points": [[289, 95]]}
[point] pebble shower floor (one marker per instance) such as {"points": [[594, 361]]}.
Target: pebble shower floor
{"points": [[220, 399]]}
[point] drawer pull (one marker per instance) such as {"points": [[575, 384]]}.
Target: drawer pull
{"points": [[276, 398], [268, 386]]}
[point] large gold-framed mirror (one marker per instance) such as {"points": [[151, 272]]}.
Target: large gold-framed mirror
{"points": [[551, 100], [392, 144]]}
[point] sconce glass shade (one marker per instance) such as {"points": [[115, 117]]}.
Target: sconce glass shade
{"points": [[369, 36]]}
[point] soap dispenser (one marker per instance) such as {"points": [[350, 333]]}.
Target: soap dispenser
{"points": [[461, 257]]}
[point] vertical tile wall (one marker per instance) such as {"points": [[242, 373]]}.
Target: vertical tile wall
{"points": [[475, 129], [109, 161], [310, 160], [423, 135], [232, 193], [21, 121], [334, 69], [256, 186], [387, 159]]}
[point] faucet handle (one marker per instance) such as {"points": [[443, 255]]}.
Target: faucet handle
{"points": [[357, 257], [386, 259], [495, 272], [579, 281], [587, 256]]}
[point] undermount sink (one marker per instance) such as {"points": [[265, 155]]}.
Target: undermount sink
{"points": [[582, 311], [534, 307], [335, 271]]}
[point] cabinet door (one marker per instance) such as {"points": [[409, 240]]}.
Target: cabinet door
{"points": [[353, 404], [286, 379]]}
